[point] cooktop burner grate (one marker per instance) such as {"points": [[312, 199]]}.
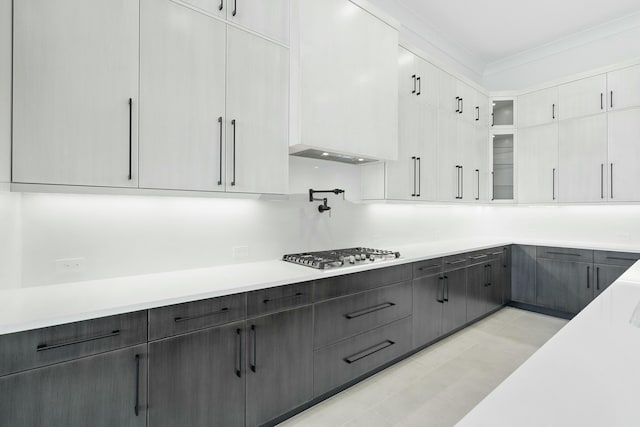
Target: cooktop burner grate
{"points": [[340, 257]]}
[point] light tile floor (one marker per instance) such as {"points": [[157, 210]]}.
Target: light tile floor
{"points": [[439, 385]]}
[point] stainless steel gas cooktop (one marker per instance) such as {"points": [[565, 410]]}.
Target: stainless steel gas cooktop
{"points": [[340, 257]]}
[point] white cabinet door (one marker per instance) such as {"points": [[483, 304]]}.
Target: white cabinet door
{"points": [[537, 164], [537, 108], [267, 17], [402, 174], [479, 164], [182, 97], [468, 98], [582, 159], [624, 155], [348, 80], [624, 88], [428, 154], [213, 7], [429, 77], [407, 74], [448, 97], [448, 160], [75, 89], [466, 153], [257, 114], [482, 111], [583, 97]]}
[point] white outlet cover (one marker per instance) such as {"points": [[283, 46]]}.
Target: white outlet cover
{"points": [[70, 265]]}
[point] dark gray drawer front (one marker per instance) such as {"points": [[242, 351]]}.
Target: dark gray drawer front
{"points": [[427, 267], [625, 259], [281, 298], [348, 316], [40, 347], [484, 256], [349, 359], [358, 282], [454, 262], [564, 254], [192, 316]]}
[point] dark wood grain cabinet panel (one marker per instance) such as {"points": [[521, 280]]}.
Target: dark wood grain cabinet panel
{"points": [[358, 282], [455, 300], [428, 304], [564, 286], [523, 274], [279, 298], [105, 390], [605, 275]]}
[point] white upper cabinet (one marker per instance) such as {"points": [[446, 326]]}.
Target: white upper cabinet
{"points": [[624, 153], [582, 159], [624, 88], [467, 101], [448, 97], [182, 93], [407, 73], [344, 80], [482, 110], [257, 114], [479, 164], [449, 162], [583, 97], [267, 17], [75, 92], [537, 163], [537, 108], [428, 84]]}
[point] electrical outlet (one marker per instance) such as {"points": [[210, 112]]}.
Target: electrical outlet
{"points": [[240, 252], [70, 265]]}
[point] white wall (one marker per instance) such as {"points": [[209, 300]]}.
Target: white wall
{"points": [[5, 90], [613, 43]]}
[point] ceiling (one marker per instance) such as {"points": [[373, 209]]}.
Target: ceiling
{"points": [[493, 30]]}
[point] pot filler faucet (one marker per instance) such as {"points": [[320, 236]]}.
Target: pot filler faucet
{"points": [[324, 207]]}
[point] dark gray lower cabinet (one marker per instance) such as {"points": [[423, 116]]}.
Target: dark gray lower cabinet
{"points": [[523, 274], [106, 390], [563, 285], [495, 284], [454, 312], [428, 304], [198, 379], [605, 275], [484, 288], [279, 364]]}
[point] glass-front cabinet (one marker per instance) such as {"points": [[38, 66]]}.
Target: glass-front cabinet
{"points": [[503, 113], [502, 165]]}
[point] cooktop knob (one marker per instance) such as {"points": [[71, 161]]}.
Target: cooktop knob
{"points": [[352, 259]]}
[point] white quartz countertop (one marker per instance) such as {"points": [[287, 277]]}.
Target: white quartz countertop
{"points": [[588, 374], [37, 307], [23, 309]]}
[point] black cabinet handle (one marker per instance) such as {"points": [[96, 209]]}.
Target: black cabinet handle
{"points": [[428, 267], [414, 176], [461, 182], [493, 186], [457, 104], [598, 278], [601, 101], [486, 276], [611, 182], [611, 99], [296, 295], [220, 150], [235, 8], [493, 119], [461, 105], [478, 172], [130, 137], [458, 182], [602, 180], [369, 351], [233, 125], [254, 362], [456, 262], [137, 405], [419, 179], [45, 347], [562, 253], [617, 258], [588, 274], [477, 114], [478, 257], [200, 316], [239, 350], [553, 184], [221, 5], [497, 253], [369, 310], [446, 288], [441, 300], [419, 79], [414, 83], [490, 275], [553, 111], [506, 261]]}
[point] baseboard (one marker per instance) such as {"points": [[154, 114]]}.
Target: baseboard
{"points": [[541, 310]]}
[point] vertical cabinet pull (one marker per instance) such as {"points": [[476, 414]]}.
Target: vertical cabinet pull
{"points": [[461, 105], [414, 83], [477, 114], [553, 184], [458, 182], [414, 176], [253, 365], [553, 111], [457, 104], [478, 173], [221, 5], [493, 185], [137, 403], [601, 101], [602, 180], [130, 136], [588, 274], [446, 287], [233, 125], [441, 281], [493, 119], [419, 86], [419, 178], [235, 8], [220, 151], [611, 182], [461, 182], [597, 278], [611, 99], [239, 350]]}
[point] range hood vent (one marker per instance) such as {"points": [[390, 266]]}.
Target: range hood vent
{"points": [[335, 157]]}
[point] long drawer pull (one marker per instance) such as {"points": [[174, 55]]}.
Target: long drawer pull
{"points": [[456, 262], [621, 258], [369, 351], [497, 253], [562, 253], [369, 310], [428, 267], [200, 316], [44, 347], [239, 350], [296, 295], [137, 403], [478, 257]]}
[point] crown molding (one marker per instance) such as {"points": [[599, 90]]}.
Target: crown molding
{"points": [[581, 38]]}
